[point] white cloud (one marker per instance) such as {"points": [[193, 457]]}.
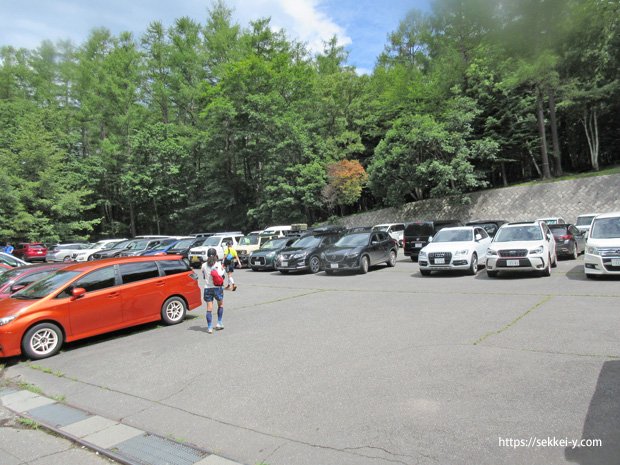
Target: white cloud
{"points": [[301, 19]]}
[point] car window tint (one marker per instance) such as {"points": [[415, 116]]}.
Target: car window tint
{"points": [[32, 277], [97, 280], [132, 272], [170, 267]]}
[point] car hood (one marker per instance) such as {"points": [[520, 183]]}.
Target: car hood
{"points": [[334, 250], [613, 242], [529, 245], [448, 246], [296, 249], [12, 306], [260, 253]]}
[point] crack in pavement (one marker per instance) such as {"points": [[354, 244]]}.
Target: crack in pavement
{"points": [[552, 352], [509, 325], [245, 428]]}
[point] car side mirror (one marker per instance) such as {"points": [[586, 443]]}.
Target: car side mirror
{"points": [[77, 292], [548, 237], [478, 237], [430, 238]]}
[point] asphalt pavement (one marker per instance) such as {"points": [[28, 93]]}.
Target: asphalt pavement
{"points": [[387, 367]]}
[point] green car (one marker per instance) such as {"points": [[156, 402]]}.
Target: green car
{"points": [[263, 258]]}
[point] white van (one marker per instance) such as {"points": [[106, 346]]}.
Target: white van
{"points": [[279, 231], [584, 221], [602, 255]]}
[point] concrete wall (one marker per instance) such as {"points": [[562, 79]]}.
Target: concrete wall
{"points": [[568, 199]]}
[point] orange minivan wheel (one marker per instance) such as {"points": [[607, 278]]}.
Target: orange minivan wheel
{"points": [[42, 341], [173, 311]]}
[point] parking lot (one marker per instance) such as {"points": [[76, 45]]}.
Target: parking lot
{"points": [[383, 368]]}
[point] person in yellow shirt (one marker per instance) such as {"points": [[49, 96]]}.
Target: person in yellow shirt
{"points": [[230, 257]]}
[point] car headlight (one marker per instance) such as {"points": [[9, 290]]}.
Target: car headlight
{"points": [[271, 254], [351, 255], [537, 251], [422, 255], [300, 255], [592, 250], [6, 320], [491, 253], [461, 252]]}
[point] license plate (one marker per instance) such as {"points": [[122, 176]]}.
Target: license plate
{"points": [[512, 262], [418, 245], [284, 263], [615, 262], [440, 261], [333, 265]]}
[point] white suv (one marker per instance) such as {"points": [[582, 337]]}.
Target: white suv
{"points": [[602, 255], [522, 247], [198, 255]]}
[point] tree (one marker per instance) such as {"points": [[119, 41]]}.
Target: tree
{"points": [[346, 179]]}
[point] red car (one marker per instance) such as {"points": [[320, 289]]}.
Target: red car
{"points": [[31, 251], [18, 278], [89, 298]]}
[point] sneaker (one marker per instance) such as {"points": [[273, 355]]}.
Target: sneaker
{"points": [[234, 287], [219, 327], [227, 288], [209, 330]]}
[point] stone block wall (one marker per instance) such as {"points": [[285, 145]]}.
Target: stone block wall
{"points": [[568, 199]]}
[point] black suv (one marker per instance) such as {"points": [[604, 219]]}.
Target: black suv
{"points": [[417, 235], [305, 254]]}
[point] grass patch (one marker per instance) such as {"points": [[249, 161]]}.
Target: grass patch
{"points": [[572, 176], [28, 423], [30, 387], [49, 371]]}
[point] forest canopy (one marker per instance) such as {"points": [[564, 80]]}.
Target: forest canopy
{"points": [[203, 127]]}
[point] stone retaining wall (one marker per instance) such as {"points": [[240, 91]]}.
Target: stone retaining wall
{"points": [[568, 199]]}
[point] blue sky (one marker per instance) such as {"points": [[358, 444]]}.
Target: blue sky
{"points": [[362, 26]]}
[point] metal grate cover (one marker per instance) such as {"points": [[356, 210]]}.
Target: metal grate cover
{"points": [[153, 450], [58, 415]]}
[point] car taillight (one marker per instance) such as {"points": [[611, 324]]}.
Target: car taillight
{"points": [[566, 237]]}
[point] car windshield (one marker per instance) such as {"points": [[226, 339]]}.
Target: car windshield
{"points": [[10, 275], [352, 240], [47, 285], [549, 220], [308, 242], [9, 260], [138, 245], [584, 220], [605, 228], [423, 229], [183, 244], [163, 246], [519, 233], [274, 244], [119, 245], [249, 240], [455, 235]]}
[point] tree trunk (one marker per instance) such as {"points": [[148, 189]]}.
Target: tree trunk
{"points": [[157, 222], [504, 179], [590, 125], [132, 220], [543, 136], [554, 135]]}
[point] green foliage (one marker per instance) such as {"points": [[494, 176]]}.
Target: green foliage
{"points": [[206, 126]]}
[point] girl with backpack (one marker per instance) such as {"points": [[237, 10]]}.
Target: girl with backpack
{"points": [[213, 274]]}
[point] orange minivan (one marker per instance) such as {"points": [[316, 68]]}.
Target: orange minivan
{"points": [[95, 297]]}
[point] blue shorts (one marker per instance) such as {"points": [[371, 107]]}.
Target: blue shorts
{"points": [[230, 267], [211, 293]]}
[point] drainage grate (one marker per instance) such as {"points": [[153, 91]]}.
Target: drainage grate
{"points": [[153, 450], [58, 415]]}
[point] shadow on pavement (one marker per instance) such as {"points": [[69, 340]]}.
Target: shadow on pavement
{"points": [[602, 421]]}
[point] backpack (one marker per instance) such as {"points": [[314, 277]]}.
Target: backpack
{"points": [[217, 278]]}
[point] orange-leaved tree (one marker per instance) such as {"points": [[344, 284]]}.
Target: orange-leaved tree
{"points": [[346, 179]]}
